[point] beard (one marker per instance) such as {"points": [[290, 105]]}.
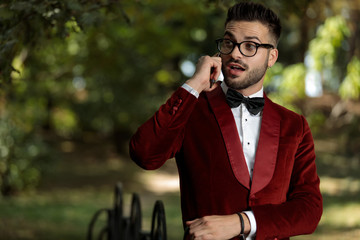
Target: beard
{"points": [[252, 77]]}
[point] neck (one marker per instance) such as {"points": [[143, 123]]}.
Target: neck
{"points": [[258, 91], [250, 90]]}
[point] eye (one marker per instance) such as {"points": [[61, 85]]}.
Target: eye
{"points": [[249, 46], [227, 43]]}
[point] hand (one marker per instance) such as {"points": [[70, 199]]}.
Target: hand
{"points": [[217, 227], [207, 68]]}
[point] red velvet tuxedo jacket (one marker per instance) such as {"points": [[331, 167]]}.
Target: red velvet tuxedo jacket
{"points": [[201, 134]]}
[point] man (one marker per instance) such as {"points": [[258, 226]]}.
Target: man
{"points": [[245, 171]]}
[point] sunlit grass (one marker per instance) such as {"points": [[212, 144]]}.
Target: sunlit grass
{"points": [[343, 215], [66, 214], [61, 214]]}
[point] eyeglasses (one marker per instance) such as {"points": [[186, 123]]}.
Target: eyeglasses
{"points": [[247, 48]]}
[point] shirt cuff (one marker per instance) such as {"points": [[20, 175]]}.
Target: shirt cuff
{"points": [[190, 90], [253, 228]]}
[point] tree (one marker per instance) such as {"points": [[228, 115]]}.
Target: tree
{"points": [[103, 66], [73, 67], [25, 28]]}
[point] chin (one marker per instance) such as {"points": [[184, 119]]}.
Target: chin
{"points": [[232, 82], [239, 85]]}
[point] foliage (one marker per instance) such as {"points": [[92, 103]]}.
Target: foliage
{"points": [[290, 84], [325, 58], [96, 76], [20, 153], [326, 50], [329, 38], [91, 67], [350, 87], [25, 107], [104, 66], [30, 23], [22, 149]]}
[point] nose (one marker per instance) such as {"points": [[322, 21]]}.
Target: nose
{"points": [[235, 54]]}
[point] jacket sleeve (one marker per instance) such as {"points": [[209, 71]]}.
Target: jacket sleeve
{"points": [[160, 138], [301, 212]]}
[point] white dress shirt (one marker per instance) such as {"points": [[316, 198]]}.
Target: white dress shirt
{"points": [[248, 127]]}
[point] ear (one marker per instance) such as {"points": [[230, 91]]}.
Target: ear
{"points": [[273, 56]]}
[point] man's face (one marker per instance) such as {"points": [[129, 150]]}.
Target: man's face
{"points": [[241, 72]]}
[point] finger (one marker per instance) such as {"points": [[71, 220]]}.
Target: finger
{"points": [[217, 67], [216, 57], [216, 54], [216, 84], [196, 224], [191, 221], [202, 233], [206, 236], [212, 82], [215, 73]]}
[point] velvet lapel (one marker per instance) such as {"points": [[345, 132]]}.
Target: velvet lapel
{"points": [[266, 152], [230, 135]]}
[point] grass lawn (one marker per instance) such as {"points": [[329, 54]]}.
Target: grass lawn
{"points": [[83, 181]]}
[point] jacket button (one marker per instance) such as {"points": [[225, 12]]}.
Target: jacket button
{"points": [[178, 102], [173, 110]]}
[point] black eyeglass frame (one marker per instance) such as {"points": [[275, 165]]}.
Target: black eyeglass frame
{"points": [[235, 44]]}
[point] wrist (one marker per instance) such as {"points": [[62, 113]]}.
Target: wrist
{"points": [[244, 223], [196, 84], [247, 224]]}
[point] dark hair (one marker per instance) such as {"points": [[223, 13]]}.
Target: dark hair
{"points": [[248, 11]]}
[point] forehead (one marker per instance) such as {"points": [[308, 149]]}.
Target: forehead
{"points": [[244, 30]]}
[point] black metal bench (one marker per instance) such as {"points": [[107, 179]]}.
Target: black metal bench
{"points": [[118, 227]]}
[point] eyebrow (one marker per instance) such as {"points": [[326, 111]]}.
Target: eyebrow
{"points": [[252, 38], [231, 35]]}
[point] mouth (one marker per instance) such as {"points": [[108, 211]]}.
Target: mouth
{"points": [[236, 69]]}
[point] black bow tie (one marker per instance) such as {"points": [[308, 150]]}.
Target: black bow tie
{"points": [[254, 105]]}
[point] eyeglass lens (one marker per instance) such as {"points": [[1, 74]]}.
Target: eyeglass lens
{"points": [[246, 48]]}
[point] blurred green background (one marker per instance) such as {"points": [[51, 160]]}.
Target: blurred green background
{"points": [[78, 77]]}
